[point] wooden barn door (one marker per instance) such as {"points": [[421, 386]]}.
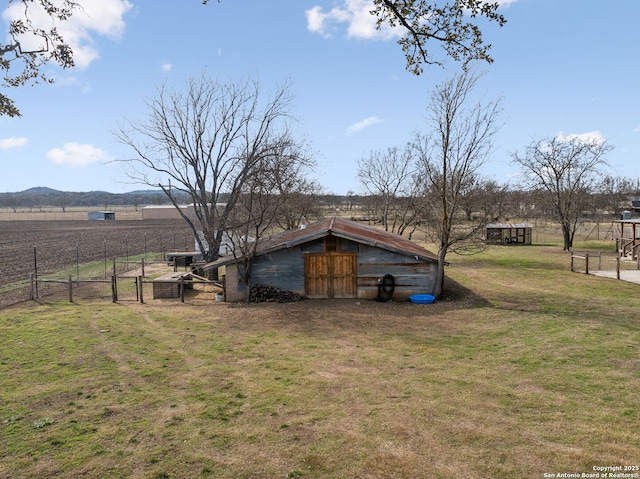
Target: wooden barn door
{"points": [[330, 275]]}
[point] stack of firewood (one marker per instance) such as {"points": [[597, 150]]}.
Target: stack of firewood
{"points": [[269, 294]]}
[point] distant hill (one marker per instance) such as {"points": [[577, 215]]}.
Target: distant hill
{"points": [[40, 190], [146, 192], [43, 196], [44, 190]]}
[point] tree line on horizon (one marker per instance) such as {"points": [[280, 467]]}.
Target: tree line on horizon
{"points": [[496, 202]]}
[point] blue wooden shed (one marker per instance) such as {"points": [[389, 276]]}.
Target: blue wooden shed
{"points": [[334, 258]]}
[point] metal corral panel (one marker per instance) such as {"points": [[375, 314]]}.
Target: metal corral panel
{"points": [[168, 285], [163, 290]]}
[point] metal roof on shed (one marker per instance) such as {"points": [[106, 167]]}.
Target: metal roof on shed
{"points": [[340, 228]]}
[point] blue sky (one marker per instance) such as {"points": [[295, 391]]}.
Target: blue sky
{"points": [[565, 67]]}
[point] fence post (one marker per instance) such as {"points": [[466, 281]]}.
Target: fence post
{"points": [[140, 289], [586, 262], [35, 269], [618, 267], [70, 289], [31, 287], [143, 264], [104, 242], [599, 260], [182, 289], [114, 289], [572, 268]]}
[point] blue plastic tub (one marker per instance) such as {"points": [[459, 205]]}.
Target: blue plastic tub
{"points": [[422, 298]]}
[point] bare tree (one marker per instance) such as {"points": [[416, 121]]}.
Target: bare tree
{"points": [[451, 157], [300, 205], [208, 142], [482, 197], [566, 169], [62, 201], [409, 210], [614, 194], [265, 203], [12, 201], [389, 175], [297, 194]]}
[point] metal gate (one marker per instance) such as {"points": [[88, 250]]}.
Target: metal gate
{"points": [[330, 275]]}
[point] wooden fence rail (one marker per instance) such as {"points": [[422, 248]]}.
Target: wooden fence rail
{"points": [[585, 257], [587, 265]]}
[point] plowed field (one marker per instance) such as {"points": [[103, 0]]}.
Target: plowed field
{"points": [[57, 245]]}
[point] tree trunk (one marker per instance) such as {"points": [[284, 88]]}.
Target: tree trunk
{"points": [[567, 238], [440, 272]]}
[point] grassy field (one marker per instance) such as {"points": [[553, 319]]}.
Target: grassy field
{"points": [[523, 369]]}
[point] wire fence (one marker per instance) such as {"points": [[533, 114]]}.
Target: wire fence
{"points": [[176, 286], [80, 259]]}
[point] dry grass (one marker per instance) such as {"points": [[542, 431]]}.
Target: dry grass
{"points": [[54, 213], [522, 369]]}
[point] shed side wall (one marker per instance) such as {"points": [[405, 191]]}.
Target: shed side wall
{"points": [[284, 269], [411, 276]]}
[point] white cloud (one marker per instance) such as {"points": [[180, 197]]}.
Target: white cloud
{"points": [[360, 22], [315, 20], [356, 14], [101, 17], [507, 3], [76, 155], [7, 143], [589, 137], [361, 125], [166, 67]]}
